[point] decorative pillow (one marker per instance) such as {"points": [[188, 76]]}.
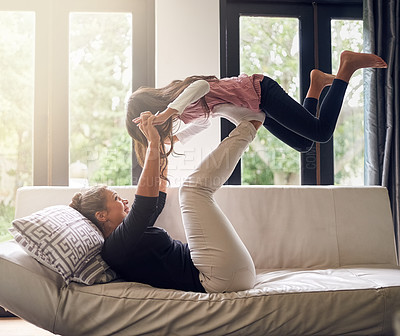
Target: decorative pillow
{"points": [[62, 239]]}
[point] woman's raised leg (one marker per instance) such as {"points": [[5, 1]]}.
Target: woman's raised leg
{"points": [[285, 110], [222, 259]]}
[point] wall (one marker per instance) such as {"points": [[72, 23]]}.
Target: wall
{"points": [[187, 43]]}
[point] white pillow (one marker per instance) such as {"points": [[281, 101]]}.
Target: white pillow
{"points": [[62, 239]]}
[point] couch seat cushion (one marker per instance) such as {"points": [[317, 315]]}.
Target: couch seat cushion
{"points": [[283, 302], [344, 278]]}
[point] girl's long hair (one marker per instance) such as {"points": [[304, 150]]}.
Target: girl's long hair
{"points": [[154, 100]]}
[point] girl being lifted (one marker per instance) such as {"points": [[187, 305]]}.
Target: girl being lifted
{"points": [[196, 98]]}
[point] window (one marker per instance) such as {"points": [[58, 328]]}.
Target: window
{"points": [[67, 71], [323, 28], [270, 45], [349, 134], [16, 109], [100, 83]]}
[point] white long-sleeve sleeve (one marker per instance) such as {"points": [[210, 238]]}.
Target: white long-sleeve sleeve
{"points": [[192, 93], [195, 127]]}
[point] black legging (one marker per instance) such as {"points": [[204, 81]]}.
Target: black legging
{"points": [[297, 125]]}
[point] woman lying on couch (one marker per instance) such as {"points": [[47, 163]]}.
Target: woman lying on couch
{"points": [[214, 259]]}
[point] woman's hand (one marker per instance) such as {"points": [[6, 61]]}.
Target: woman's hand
{"points": [[149, 181], [146, 125]]}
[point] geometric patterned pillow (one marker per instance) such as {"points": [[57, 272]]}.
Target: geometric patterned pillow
{"points": [[62, 239]]}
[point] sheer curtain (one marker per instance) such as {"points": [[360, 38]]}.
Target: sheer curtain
{"points": [[382, 102]]}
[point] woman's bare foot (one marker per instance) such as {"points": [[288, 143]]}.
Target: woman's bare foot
{"points": [[351, 61], [318, 80]]}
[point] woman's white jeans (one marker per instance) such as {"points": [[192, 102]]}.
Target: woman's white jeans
{"points": [[224, 263]]}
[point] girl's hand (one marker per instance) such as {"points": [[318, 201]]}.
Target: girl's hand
{"points": [[160, 117], [146, 125]]}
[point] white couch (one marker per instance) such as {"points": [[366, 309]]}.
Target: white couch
{"points": [[325, 258]]}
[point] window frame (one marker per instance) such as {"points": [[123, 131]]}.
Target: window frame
{"points": [[51, 82], [316, 166]]}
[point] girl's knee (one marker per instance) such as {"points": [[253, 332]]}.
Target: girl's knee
{"points": [[324, 137], [306, 147]]}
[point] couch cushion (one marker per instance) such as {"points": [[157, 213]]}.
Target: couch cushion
{"points": [[281, 226], [62, 239], [312, 280], [292, 302], [364, 226]]}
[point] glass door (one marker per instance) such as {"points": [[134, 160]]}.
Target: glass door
{"points": [[349, 135], [100, 83], [286, 41], [17, 45], [270, 46]]}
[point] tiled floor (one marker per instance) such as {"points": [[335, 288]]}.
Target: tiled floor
{"points": [[18, 327]]}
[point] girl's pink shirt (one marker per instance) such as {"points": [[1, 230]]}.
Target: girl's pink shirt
{"points": [[244, 91]]}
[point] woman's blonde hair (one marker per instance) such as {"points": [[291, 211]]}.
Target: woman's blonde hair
{"points": [[89, 202], [154, 100]]}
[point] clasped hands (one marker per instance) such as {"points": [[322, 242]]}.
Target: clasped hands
{"points": [[146, 125], [158, 119]]}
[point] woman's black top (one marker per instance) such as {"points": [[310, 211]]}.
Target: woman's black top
{"points": [[141, 252]]}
